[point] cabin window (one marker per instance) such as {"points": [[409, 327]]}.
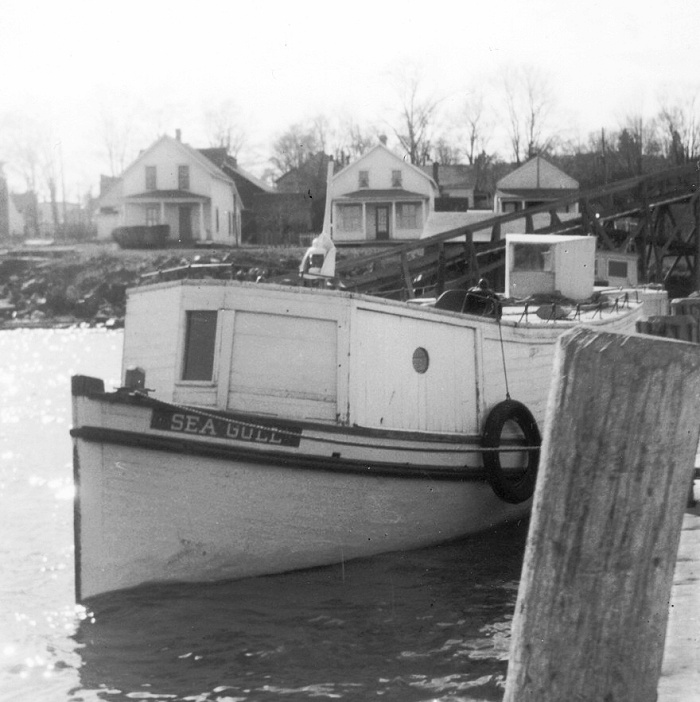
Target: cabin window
{"points": [[617, 269], [532, 257], [349, 218], [152, 215], [396, 179], [183, 177], [364, 179], [407, 216], [151, 179], [200, 338]]}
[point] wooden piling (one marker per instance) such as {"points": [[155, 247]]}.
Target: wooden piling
{"points": [[619, 448]]}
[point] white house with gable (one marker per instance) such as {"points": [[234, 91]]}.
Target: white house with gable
{"points": [[379, 197], [172, 183]]}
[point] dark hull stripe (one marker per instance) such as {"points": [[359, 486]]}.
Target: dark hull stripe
{"points": [[332, 464]]}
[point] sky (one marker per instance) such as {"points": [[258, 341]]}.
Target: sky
{"points": [[157, 66]]}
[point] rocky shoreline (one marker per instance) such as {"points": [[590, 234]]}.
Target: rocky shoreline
{"points": [[85, 284]]}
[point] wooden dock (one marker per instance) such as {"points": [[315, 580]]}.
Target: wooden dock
{"points": [[680, 673]]}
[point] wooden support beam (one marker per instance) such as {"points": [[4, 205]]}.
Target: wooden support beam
{"points": [[471, 256], [618, 453], [440, 282], [407, 280]]}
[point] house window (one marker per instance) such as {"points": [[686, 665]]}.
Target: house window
{"points": [[349, 218], [230, 223], [508, 206], [183, 177], [396, 179], [151, 181], [152, 215], [200, 339], [407, 215], [364, 179], [217, 220]]}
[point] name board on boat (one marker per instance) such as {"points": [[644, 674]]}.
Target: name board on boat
{"points": [[256, 432]]}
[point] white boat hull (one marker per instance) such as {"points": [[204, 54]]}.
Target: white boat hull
{"points": [[151, 516], [328, 426]]}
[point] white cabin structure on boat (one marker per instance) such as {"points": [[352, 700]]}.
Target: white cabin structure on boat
{"points": [[549, 264], [380, 197]]}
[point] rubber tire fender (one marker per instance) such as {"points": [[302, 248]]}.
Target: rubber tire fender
{"points": [[506, 488]]}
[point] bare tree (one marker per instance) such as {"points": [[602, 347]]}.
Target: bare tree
{"points": [[679, 128], [294, 147], [34, 151], [446, 153], [637, 138], [529, 102], [117, 136], [355, 140], [475, 120], [222, 125], [416, 116]]}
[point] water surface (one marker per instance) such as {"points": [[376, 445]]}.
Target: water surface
{"points": [[425, 625]]}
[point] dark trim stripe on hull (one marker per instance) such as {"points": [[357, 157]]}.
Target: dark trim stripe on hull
{"points": [[333, 464]]}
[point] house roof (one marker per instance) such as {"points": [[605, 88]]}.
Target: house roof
{"points": [[210, 166], [458, 175], [221, 158], [22, 201], [395, 156], [537, 174], [110, 191], [388, 194]]}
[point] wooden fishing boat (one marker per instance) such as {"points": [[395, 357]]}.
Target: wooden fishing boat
{"points": [[264, 428]]}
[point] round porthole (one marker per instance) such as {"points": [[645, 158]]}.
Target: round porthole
{"points": [[420, 360]]}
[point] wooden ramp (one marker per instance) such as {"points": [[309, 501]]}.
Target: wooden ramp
{"points": [[655, 216]]}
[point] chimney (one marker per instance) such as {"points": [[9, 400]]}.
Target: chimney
{"points": [[178, 135], [436, 170], [382, 139]]}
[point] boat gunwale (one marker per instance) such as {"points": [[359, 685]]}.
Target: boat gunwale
{"points": [[278, 459]]}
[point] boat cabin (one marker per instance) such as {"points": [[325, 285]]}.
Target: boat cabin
{"points": [[549, 264]]}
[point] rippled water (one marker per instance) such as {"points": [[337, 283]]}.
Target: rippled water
{"points": [[426, 625]]}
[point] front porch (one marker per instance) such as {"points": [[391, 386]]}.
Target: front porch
{"points": [[381, 216], [187, 215]]}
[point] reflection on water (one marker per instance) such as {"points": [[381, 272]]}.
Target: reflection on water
{"points": [[427, 625]]}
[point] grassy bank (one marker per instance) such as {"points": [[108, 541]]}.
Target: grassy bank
{"points": [[86, 283]]}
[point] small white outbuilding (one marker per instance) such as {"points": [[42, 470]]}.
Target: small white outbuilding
{"points": [[550, 264]]}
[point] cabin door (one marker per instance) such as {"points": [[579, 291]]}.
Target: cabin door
{"points": [[185, 223], [284, 366], [382, 222]]}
